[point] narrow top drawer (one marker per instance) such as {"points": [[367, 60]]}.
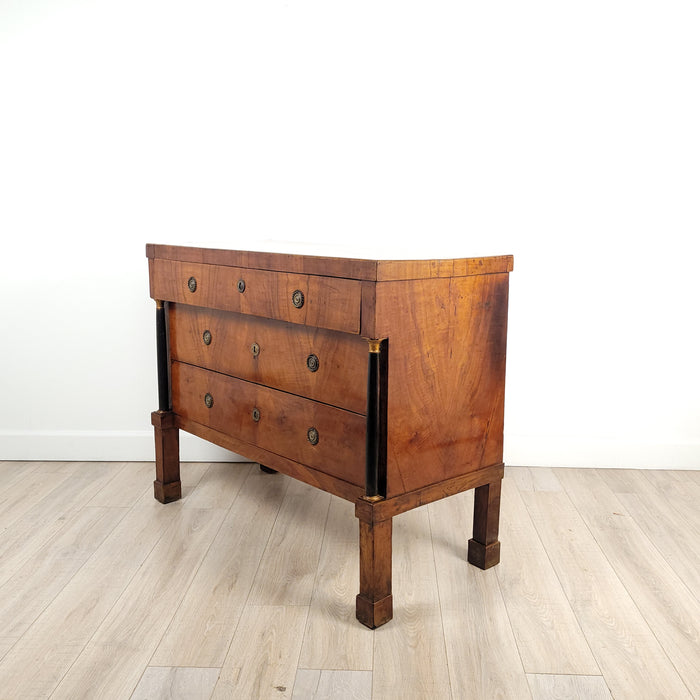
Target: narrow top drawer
{"points": [[312, 300]]}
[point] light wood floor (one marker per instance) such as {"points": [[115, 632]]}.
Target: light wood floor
{"points": [[245, 589]]}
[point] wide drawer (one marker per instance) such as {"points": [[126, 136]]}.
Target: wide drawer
{"points": [[323, 437], [324, 302], [324, 365]]}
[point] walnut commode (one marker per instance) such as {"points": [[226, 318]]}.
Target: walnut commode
{"points": [[379, 381]]}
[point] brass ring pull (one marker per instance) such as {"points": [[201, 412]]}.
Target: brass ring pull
{"points": [[312, 363], [298, 298], [312, 436], [256, 414], [241, 286], [206, 337], [208, 400], [192, 284]]}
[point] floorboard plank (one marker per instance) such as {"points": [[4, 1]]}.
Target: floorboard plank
{"points": [[6, 643], [114, 660], [482, 653], [44, 574], [219, 485], [22, 494], [335, 685], [409, 651], [631, 659], [546, 630], [130, 483], [677, 538], [334, 639], [288, 566], [177, 683], [47, 517], [533, 478], [42, 656], [13, 472], [550, 687], [204, 625], [263, 658], [597, 576], [680, 492], [669, 609]]}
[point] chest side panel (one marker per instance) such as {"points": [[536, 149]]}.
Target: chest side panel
{"points": [[447, 353]]}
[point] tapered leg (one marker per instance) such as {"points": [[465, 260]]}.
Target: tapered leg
{"points": [[166, 487], [484, 548], [374, 602]]}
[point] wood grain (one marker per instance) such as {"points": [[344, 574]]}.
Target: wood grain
{"points": [[38, 661], [113, 661], [543, 569], [126, 487], [352, 268], [628, 654], [6, 643], [409, 652], [333, 638], [381, 510], [218, 488], [481, 650], [205, 622], [189, 683], [25, 595], [679, 489], [47, 517], [13, 472], [167, 486], [533, 479], [551, 687], [288, 565], [329, 302], [29, 488], [447, 346], [374, 605], [675, 536], [548, 635], [284, 420], [394, 270], [281, 361], [279, 262], [669, 608], [338, 685], [262, 661], [314, 477]]}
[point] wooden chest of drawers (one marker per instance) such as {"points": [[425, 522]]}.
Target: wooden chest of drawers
{"points": [[379, 381]]}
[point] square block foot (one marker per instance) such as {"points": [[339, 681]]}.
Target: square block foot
{"points": [[374, 615], [167, 493], [483, 556]]}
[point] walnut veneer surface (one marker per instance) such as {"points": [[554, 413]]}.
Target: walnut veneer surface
{"points": [[380, 381]]}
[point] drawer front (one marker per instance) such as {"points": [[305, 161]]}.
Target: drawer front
{"points": [[324, 302], [319, 364], [271, 419]]}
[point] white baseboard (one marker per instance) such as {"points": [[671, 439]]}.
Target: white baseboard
{"points": [[103, 446], [601, 453], [520, 450]]}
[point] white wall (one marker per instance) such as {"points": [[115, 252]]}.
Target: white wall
{"points": [[566, 135]]}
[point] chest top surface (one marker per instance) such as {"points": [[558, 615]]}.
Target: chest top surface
{"points": [[359, 268]]}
